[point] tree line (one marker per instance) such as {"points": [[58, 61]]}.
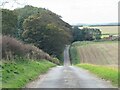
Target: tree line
{"points": [[86, 34], [44, 29], [37, 26]]}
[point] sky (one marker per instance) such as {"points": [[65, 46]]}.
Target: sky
{"points": [[75, 11]]}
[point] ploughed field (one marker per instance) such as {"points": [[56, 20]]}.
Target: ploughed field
{"points": [[100, 53]]}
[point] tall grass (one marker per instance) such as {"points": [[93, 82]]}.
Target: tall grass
{"points": [[104, 72], [74, 57]]}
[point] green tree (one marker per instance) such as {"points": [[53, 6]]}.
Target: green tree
{"points": [[46, 15], [86, 34], [9, 22], [24, 13], [47, 33]]}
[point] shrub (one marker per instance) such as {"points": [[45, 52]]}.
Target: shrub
{"points": [[55, 60], [12, 48]]}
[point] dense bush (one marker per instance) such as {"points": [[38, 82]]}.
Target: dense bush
{"points": [[12, 48]]}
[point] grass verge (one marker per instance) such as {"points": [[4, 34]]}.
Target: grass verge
{"points": [[104, 72], [16, 74], [74, 57]]}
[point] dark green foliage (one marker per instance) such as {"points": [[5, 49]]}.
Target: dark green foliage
{"points": [[24, 13], [78, 34], [9, 22], [87, 34], [44, 29], [48, 32], [74, 57]]}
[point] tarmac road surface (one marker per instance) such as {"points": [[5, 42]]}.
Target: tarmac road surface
{"points": [[68, 76]]}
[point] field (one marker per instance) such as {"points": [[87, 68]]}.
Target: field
{"points": [[99, 53], [108, 29], [100, 58]]}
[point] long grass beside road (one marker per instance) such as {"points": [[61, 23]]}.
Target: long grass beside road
{"points": [[104, 72], [18, 73], [74, 54]]}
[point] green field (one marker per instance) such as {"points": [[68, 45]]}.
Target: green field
{"points": [[18, 73]]}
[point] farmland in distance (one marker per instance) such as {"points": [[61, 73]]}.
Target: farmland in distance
{"points": [[108, 29]]}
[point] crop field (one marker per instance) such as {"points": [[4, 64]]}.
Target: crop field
{"points": [[108, 29], [99, 53], [100, 58]]}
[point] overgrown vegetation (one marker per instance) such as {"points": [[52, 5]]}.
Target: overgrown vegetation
{"points": [[13, 49], [104, 72], [17, 73], [38, 26], [74, 57]]}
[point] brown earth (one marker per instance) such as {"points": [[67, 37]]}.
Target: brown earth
{"points": [[99, 53]]}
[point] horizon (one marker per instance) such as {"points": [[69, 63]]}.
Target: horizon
{"points": [[75, 11]]}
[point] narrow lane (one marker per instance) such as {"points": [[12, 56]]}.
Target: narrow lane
{"points": [[68, 77], [66, 56]]}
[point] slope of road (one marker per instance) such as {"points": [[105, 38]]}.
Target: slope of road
{"points": [[68, 77], [66, 56]]}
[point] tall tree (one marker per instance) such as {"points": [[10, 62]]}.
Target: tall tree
{"points": [[9, 22], [47, 33], [86, 34]]}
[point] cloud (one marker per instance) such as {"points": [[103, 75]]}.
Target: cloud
{"points": [[81, 11]]}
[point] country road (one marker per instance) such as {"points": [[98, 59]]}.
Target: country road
{"points": [[68, 76]]}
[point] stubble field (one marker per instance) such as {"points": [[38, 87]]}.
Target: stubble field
{"points": [[99, 53]]}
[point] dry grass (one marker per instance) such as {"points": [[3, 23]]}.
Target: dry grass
{"points": [[12, 48]]}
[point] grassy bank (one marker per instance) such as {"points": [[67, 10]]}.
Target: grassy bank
{"points": [[16, 74], [74, 57], [104, 72]]}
